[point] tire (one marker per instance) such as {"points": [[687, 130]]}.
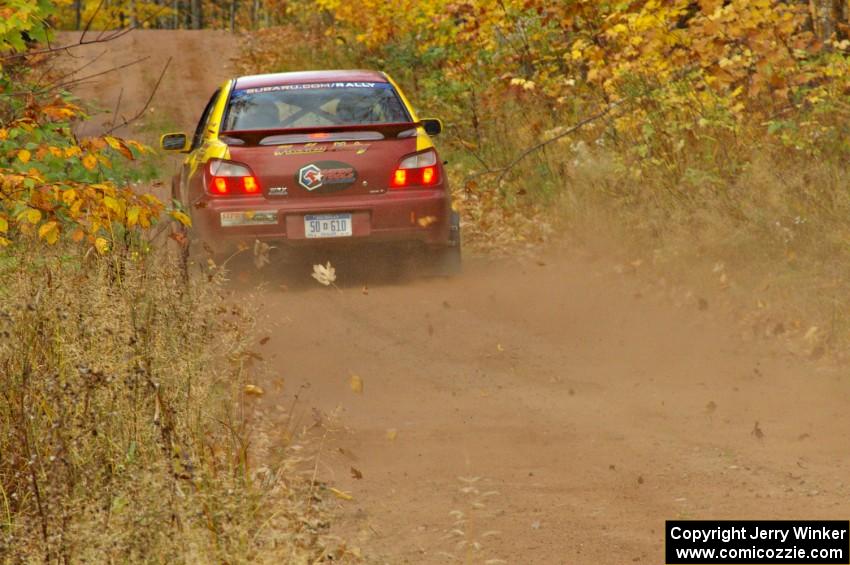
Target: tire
{"points": [[448, 261]]}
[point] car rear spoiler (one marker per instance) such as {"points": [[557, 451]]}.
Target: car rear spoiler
{"points": [[256, 136]]}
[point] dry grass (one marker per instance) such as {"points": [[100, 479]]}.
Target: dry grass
{"points": [[773, 237], [126, 435]]}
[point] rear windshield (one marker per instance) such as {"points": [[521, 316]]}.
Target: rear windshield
{"points": [[314, 105]]}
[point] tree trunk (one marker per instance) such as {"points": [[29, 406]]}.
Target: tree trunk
{"points": [[234, 5], [255, 14], [197, 14], [78, 16], [829, 18]]}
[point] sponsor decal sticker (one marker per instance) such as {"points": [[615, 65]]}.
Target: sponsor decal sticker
{"points": [[358, 147], [314, 85], [304, 150], [326, 176]]}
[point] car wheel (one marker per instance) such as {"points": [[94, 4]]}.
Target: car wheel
{"points": [[448, 261]]}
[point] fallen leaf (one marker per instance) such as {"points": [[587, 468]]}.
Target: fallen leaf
{"points": [[254, 390], [426, 221], [325, 274], [179, 237], [392, 433], [265, 340], [261, 254], [348, 453], [356, 384], [811, 333], [757, 431], [340, 494], [356, 474]]}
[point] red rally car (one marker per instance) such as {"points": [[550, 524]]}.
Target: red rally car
{"points": [[319, 157]]}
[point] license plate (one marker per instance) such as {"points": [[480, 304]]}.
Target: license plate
{"points": [[248, 218], [327, 225]]}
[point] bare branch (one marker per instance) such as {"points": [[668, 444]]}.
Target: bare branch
{"points": [[117, 107], [502, 171], [75, 71], [565, 133], [95, 75], [74, 81], [144, 109], [90, 20], [82, 41]]}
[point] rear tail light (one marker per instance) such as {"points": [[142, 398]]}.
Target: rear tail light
{"points": [[419, 169], [227, 178]]}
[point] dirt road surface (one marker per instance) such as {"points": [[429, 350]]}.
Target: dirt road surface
{"points": [[118, 77], [564, 409]]}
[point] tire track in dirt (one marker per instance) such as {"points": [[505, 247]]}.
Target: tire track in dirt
{"points": [[591, 405]]}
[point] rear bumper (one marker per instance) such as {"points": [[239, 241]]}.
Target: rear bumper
{"points": [[415, 216]]}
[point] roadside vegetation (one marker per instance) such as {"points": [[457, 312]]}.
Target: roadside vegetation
{"points": [[127, 432], [707, 138]]}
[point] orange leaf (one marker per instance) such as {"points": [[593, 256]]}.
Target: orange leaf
{"points": [[90, 162], [119, 145]]}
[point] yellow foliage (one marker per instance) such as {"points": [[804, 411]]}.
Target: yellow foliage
{"points": [[49, 232], [72, 151], [102, 245], [90, 162], [752, 57], [30, 215], [69, 196], [181, 217], [133, 215]]}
